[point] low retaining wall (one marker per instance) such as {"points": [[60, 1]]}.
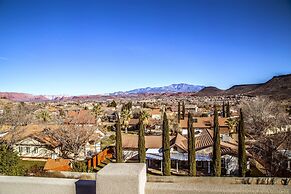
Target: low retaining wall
{"points": [[130, 178], [221, 180], [37, 185], [186, 188]]}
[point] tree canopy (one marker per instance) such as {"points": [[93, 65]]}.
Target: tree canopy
{"points": [[9, 162]]}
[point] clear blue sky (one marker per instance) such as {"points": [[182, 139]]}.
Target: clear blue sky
{"points": [[100, 46]]}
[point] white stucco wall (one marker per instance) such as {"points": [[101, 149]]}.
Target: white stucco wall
{"points": [[35, 149]]}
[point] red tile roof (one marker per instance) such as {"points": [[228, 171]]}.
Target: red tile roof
{"points": [[58, 165]]}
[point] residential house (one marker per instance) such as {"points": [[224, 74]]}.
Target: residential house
{"points": [[37, 147], [31, 144], [155, 113], [153, 124], [179, 152], [200, 123]]}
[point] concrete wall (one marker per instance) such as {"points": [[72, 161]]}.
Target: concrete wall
{"points": [[130, 178], [219, 180], [121, 178], [37, 185], [182, 188], [33, 185]]}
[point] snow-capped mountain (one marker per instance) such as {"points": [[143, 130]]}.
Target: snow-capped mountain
{"points": [[54, 97], [174, 88]]}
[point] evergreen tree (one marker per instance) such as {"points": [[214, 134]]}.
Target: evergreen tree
{"points": [[118, 144], [227, 110], [191, 147], [112, 104], [223, 109], [183, 110], [127, 106], [166, 147], [141, 142], [242, 159], [216, 155], [9, 162], [44, 116], [179, 112]]}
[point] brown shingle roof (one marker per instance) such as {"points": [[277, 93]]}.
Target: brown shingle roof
{"points": [[155, 111], [181, 142], [203, 122], [131, 141], [33, 131], [80, 117], [134, 122]]}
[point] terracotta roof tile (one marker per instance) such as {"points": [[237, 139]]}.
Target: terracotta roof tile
{"points": [[58, 165]]}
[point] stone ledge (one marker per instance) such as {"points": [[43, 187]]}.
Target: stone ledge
{"points": [[186, 188], [36, 185], [221, 180]]}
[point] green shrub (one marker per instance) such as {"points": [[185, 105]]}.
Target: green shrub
{"points": [[79, 167], [9, 162]]}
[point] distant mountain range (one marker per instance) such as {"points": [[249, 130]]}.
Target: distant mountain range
{"points": [[174, 88], [278, 87]]}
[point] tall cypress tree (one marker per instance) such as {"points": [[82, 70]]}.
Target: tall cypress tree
{"points": [[166, 147], [179, 112], [223, 109], [183, 110], [227, 110], [191, 147], [118, 144], [216, 155], [141, 142], [242, 159]]}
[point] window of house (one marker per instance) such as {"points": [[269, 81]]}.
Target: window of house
{"points": [[27, 149], [35, 150], [20, 149], [223, 163], [199, 164]]}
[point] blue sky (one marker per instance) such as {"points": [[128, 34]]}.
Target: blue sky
{"points": [[100, 46]]}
